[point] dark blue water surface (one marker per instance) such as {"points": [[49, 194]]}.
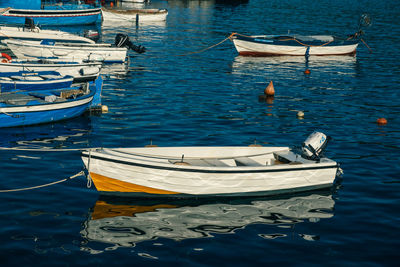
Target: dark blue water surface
{"points": [[211, 98]]}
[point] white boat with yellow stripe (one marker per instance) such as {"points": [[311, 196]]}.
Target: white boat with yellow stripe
{"points": [[210, 171]]}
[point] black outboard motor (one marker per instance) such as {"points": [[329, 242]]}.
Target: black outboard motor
{"points": [[123, 40], [29, 24]]}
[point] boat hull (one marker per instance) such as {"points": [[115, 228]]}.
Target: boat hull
{"points": [[253, 47], [35, 112], [72, 52], [24, 116], [24, 81], [131, 176], [51, 17], [26, 34], [135, 16], [81, 72]]}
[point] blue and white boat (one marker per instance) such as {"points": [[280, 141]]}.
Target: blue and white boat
{"points": [[31, 32], [30, 107], [30, 80], [82, 52], [67, 51], [53, 15], [81, 71]]}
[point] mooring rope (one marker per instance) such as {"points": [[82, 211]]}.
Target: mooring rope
{"points": [[81, 173], [370, 50], [207, 48], [47, 149]]}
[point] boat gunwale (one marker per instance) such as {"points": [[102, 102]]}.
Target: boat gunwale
{"points": [[212, 169], [59, 12], [128, 12], [72, 103], [56, 65], [327, 43], [70, 46], [63, 79]]}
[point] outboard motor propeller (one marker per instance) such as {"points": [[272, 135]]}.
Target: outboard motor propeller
{"points": [[314, 146], [123, 40]]}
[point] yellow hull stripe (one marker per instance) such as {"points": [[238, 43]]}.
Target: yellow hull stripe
{"points": [[104, 183], [103, 209]]}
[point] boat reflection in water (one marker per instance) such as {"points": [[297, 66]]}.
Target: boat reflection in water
{"points": [[126, 223], [65, 134], [285, 64], [115, 70]]}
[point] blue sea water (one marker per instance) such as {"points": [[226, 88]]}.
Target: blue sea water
{"points": [[172, 96]]}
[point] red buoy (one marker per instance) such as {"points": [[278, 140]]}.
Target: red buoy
{"points": [[381, 121], [269, 91], [307, 71]]}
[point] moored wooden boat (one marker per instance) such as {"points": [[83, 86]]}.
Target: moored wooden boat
{"points": [[67, 51], [294, 45], [30, 80], [34, 33], [57, 15], [81, 72], [24, 108], [134, 15], [206, 171]]}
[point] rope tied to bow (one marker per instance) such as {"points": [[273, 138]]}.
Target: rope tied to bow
{"points": [[81, 173]]}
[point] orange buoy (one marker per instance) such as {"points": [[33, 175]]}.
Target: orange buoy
{"points": [[307, 71], [111, 4], [381, 121], [269, 91]]}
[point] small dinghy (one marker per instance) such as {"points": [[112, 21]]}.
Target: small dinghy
{"points": [[31, 32], [81, 72], [53, 15], [107, 53], [299, 45], [294, 45], [211, 171], [133, 15], [29, 80], [24, 108]]}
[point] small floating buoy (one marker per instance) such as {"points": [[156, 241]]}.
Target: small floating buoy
{"points": [[111, 4], [307, 71], [269, 91], [104, 109], [381, 121], [300, 114]]}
